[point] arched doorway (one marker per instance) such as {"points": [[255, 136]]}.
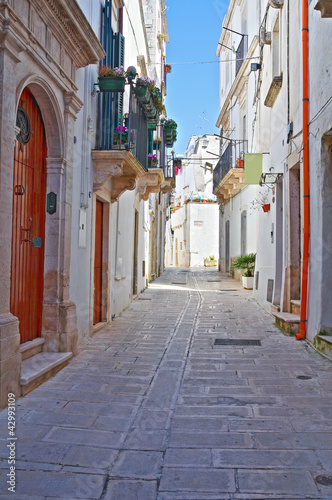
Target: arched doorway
{"points": [[29, 199]]}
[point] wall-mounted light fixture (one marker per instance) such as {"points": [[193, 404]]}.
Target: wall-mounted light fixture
{"points": [[269, 178], [96, 90]]}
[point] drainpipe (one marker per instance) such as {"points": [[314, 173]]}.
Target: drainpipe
{"points": [[306, 186]]}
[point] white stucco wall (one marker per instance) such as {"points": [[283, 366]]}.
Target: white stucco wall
{"points": [[203, 232], [320, 282]]}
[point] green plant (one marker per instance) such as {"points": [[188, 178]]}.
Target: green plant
{"points": [[246, 263], [211, 257], [108, 71]]}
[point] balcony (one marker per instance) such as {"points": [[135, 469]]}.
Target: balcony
{"points": [[228, 180], [169, 174], [120, 158]]}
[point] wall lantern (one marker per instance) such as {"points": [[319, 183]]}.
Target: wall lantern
{"points": [[269, 178]]}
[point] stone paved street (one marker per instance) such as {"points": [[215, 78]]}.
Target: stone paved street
{"points": [[152, 409]]}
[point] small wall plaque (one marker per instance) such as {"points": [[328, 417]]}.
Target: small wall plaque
{"points": [[51, 203], [36, 242]]}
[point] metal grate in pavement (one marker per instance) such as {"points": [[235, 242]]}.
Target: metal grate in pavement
{"points": [[237, 342], [325, 480]]}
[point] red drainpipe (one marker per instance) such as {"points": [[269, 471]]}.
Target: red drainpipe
{"points": [[306, 180]]}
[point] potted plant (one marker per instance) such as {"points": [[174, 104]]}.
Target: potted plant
{"points": [[111, 79], [210, 261], [168, 68], [262, 201], [152, 160], [247, 264], [170, 132], [120, 135], [149, 97], [240, 163]]}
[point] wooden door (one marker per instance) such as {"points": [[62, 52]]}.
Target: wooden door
{"points": [[29, 197], [98, 265]]}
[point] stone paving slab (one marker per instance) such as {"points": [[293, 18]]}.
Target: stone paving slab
{"points": [[151, 409]]}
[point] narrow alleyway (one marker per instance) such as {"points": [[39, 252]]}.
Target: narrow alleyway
{"points": [[153, 409]]}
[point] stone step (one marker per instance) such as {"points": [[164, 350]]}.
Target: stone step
{"points": [[274, 309], [323, 343], [296, 307], [287, 322], [31, 348], [39, 368]]}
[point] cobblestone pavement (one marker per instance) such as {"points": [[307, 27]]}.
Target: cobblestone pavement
{"points": [[153, 409]]}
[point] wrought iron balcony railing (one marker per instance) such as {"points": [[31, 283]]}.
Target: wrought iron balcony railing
{"points": [[223, 166], [133, 133]]}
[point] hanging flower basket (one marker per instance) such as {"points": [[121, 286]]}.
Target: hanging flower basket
{"points": [[111, 83], [143, 93], [144, 97], [170, 132]]}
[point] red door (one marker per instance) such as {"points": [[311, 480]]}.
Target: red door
{"points": [[98, 265], [29, 197]]}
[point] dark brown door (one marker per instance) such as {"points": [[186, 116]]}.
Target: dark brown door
{"points": [[29, 197], [98, 265]]}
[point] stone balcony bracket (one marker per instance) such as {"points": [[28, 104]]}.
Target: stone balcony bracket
{"points": [[325, 7], [230, 185], [273, 91], [168, 185], [150, 183], [119, 166]]}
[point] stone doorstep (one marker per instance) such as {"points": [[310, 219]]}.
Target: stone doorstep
{"points": [[31, 348], [296, 307], [274, 309], [323, 343], [287, 322], [41, 367]]}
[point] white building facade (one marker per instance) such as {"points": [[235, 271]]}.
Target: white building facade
{"points": [[275, 73], [83, 218], [192, 232]]}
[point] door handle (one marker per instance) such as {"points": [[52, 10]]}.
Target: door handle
{"points": [[19, 190]]}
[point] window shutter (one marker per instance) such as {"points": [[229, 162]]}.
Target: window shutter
{"points": [[118, 60]]}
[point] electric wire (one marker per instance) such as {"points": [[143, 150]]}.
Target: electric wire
{"points": [[321, 110], [209, 62]]}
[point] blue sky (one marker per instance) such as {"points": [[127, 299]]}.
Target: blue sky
{"points": [[194, 28]]}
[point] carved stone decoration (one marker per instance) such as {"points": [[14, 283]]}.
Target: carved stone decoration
{"points": [[325, 7], [230, 185], [277, 4], [70, 40], [168, 185], [122, 167], [273, 91], [150, 183]]}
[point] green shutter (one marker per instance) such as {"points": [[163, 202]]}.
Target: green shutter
{"points": [[118, 60]]}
